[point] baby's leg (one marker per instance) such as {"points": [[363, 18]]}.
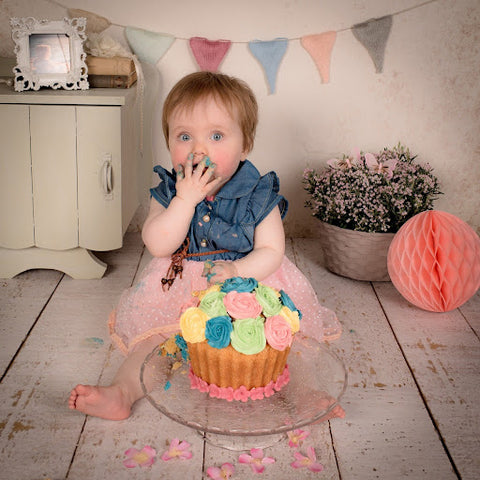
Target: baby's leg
{"points": [[115, 401]]}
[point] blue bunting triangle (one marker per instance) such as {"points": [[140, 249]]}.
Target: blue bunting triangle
{"points": [[269, 54], [148, 46]]}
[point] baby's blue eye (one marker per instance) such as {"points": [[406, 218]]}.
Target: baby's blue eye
{"points": [[184, 137], [217, 137]]}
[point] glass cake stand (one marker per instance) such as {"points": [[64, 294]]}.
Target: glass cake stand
{"points": [[318, 379]]}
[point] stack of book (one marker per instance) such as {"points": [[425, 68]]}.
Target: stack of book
{"points": [[111, 72]]}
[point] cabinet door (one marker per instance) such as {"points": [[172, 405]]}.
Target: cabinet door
{"points": [[16, 207], [54, 172], [99, 177]]}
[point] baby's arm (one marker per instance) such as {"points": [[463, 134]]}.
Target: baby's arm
{"points": [[165, 229], [266, 256]]}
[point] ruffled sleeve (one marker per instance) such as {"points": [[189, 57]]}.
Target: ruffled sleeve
{"points": [[265, 198], [165, 190]]}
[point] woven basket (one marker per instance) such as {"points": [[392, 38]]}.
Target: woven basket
{"points": [[357, 255]]}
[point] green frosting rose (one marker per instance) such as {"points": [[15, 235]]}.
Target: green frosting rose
{"points": [[269, 299], [248, 336], [212, 304]]}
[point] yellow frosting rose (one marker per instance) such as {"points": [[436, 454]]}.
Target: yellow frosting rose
{"points": [[292, 318], [192, 324], [201, 293]]}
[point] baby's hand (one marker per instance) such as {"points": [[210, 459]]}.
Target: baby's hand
{"points": [[194, 184], [222, 270]]}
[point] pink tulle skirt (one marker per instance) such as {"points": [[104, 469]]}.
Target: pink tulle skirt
{"points": [[146, 309]]}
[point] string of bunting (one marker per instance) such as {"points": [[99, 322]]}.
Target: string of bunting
{"points": [[151, 46]]}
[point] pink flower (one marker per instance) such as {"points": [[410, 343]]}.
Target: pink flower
{"points": [[226, 393], [278, 332], [202, 385], [241, 394], [386, 167], [177, 449], [141, 458], [214, 391], [296, 437], [222, 473], [268, 390], [256, 460], [256, 393], [242, 305], [310, 461]]}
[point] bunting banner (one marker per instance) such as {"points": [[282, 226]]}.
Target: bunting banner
{"points": [[320, 47], [148, 46], [209, 53], [373, 35], [270, 55]]}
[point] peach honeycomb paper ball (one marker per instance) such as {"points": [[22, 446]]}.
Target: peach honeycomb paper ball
{"points": [[434, 261]]}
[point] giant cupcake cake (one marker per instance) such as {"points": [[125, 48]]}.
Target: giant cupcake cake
{"points": [[238, 337]]}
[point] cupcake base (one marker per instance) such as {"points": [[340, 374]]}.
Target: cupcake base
{"points": [[227, 368]]}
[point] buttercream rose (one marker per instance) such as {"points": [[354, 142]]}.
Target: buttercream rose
{"points": [[287, 302], [218, 330], [292, 318], [239, 284], [212, 304], [242, 305], [192, 324], [248, 336], [269, 299], [278, 332], [201, 293]]}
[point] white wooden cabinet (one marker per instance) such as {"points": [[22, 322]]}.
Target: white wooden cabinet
{"points": [[69, 177]]}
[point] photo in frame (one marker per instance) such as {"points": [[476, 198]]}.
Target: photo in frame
{"points": [[49, 53]]}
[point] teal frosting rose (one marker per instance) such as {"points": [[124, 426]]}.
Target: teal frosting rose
{"points": [[212, 304], [218, 330], [248, 336], [239, 284], [269, 299]]}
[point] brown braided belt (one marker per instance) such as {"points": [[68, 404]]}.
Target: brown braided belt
{"points": [[176, 266]]}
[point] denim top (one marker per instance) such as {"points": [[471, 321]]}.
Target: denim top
{"points": [[229, 220]]}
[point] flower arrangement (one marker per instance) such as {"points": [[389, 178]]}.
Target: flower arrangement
{"points": [[371, 192]]}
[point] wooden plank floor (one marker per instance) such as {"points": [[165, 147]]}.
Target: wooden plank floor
{"points": [[411, 403]]}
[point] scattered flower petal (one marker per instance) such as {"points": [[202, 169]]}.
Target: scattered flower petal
{"points": [[310, 461], [139, 458], [222, 473], [177, 449], [256, 460], [296, 437]]}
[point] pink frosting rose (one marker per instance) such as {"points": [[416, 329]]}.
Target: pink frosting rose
{"points": [[278, 332], [242, 305]]}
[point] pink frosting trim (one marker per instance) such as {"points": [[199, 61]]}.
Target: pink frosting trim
{"points": [[241, 394]]}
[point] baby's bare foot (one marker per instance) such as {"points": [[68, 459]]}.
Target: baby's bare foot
{"points": [[104, 402]]}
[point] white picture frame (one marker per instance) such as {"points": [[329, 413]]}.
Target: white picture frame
{"points": [[49, 53]]}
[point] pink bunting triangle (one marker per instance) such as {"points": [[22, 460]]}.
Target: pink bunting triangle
{"points": [[209, 53], [320, 46]]}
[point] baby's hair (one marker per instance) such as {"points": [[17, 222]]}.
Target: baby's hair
{"points": [[234, 94]]}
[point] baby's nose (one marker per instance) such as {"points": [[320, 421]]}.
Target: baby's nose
{"points": [[197, 156]]}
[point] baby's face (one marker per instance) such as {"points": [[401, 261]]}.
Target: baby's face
{"points": [[206, 130]]}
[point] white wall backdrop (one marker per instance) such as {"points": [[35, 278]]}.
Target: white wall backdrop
{"points": [[428, 96]]}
